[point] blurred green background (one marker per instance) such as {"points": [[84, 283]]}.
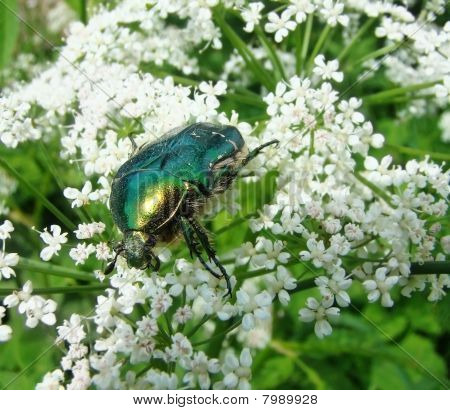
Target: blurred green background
{"points": [[371, 347]]}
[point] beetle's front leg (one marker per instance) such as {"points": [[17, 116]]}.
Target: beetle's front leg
{"points": [[149, 244], [118, 249]]}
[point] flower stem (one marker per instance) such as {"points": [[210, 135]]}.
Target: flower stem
{"points": [[378, 191], [306, 39], [343, 54], [323, 36], [194, 330], [378, 53], [427, 268], [419, 152], [271, 52], [54, 270], [386, 96], [35, 191], [61, 289], [250, 60], [220, 334], [298, 49]]}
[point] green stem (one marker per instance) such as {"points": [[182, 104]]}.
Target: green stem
{"points": [[343, 54], [54, 270], [246, 99], [236, 222], [272, 53], [61, 290], [306, 38], [311, 143], [378, 191], [83, 11], [250, 60], [298, 50], [323, 35], [414, 152], [194, 330], [427, 268], [220, 334], [52, 208], [303, 285], [378, 53], [386, 96]]}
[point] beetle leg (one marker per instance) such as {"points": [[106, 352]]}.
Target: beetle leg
{"points": [[189, 233], [203, 237], [200, 186], [149, 244], [112, 264]]}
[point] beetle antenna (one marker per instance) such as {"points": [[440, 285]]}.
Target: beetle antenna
{"points": [[256, 151]]}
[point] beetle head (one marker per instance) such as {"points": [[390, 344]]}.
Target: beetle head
{"points": [[135, 248]]}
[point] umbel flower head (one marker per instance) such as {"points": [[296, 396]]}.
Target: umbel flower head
{"points": [[330, 216]]}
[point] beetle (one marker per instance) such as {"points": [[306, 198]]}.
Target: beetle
{"points": [[159, 191]]}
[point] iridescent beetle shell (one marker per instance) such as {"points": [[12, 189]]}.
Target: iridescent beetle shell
{"points": [[161, 189]]}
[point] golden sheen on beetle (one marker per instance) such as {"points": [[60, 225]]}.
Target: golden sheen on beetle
{"points": [[160, 191]]}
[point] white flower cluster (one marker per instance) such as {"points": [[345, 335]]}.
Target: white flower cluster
{"points": [[338, 212]]}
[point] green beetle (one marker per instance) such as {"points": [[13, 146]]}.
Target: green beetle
{"points": [[161, 189]]}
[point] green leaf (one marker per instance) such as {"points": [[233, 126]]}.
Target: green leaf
{"points": [[274, 373], [9, 30], [388, 375], [80, 7]]}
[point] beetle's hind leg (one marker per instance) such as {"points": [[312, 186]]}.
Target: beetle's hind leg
{"points": [[191, 231]]}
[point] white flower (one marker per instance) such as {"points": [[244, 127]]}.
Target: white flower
{"points": [[211, 91], [253, 307], [5, 333], [301, 8], [88, 230], [52, 381], [380, 285], [5, 330], [252, 15], [72, 330], [280, 24], [237, 372], [280, 283], [38, 309], [54, 240], [161, 380], [317, 253], [321, 313], [269, 253], [81, 252], [443, 90], [198, 369], [266, 218], [327, 70], [21, 296], [6, 261], [5, 229], [183, 314], [181, 347], [332, 12], [83, 197], [335, 287]]}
